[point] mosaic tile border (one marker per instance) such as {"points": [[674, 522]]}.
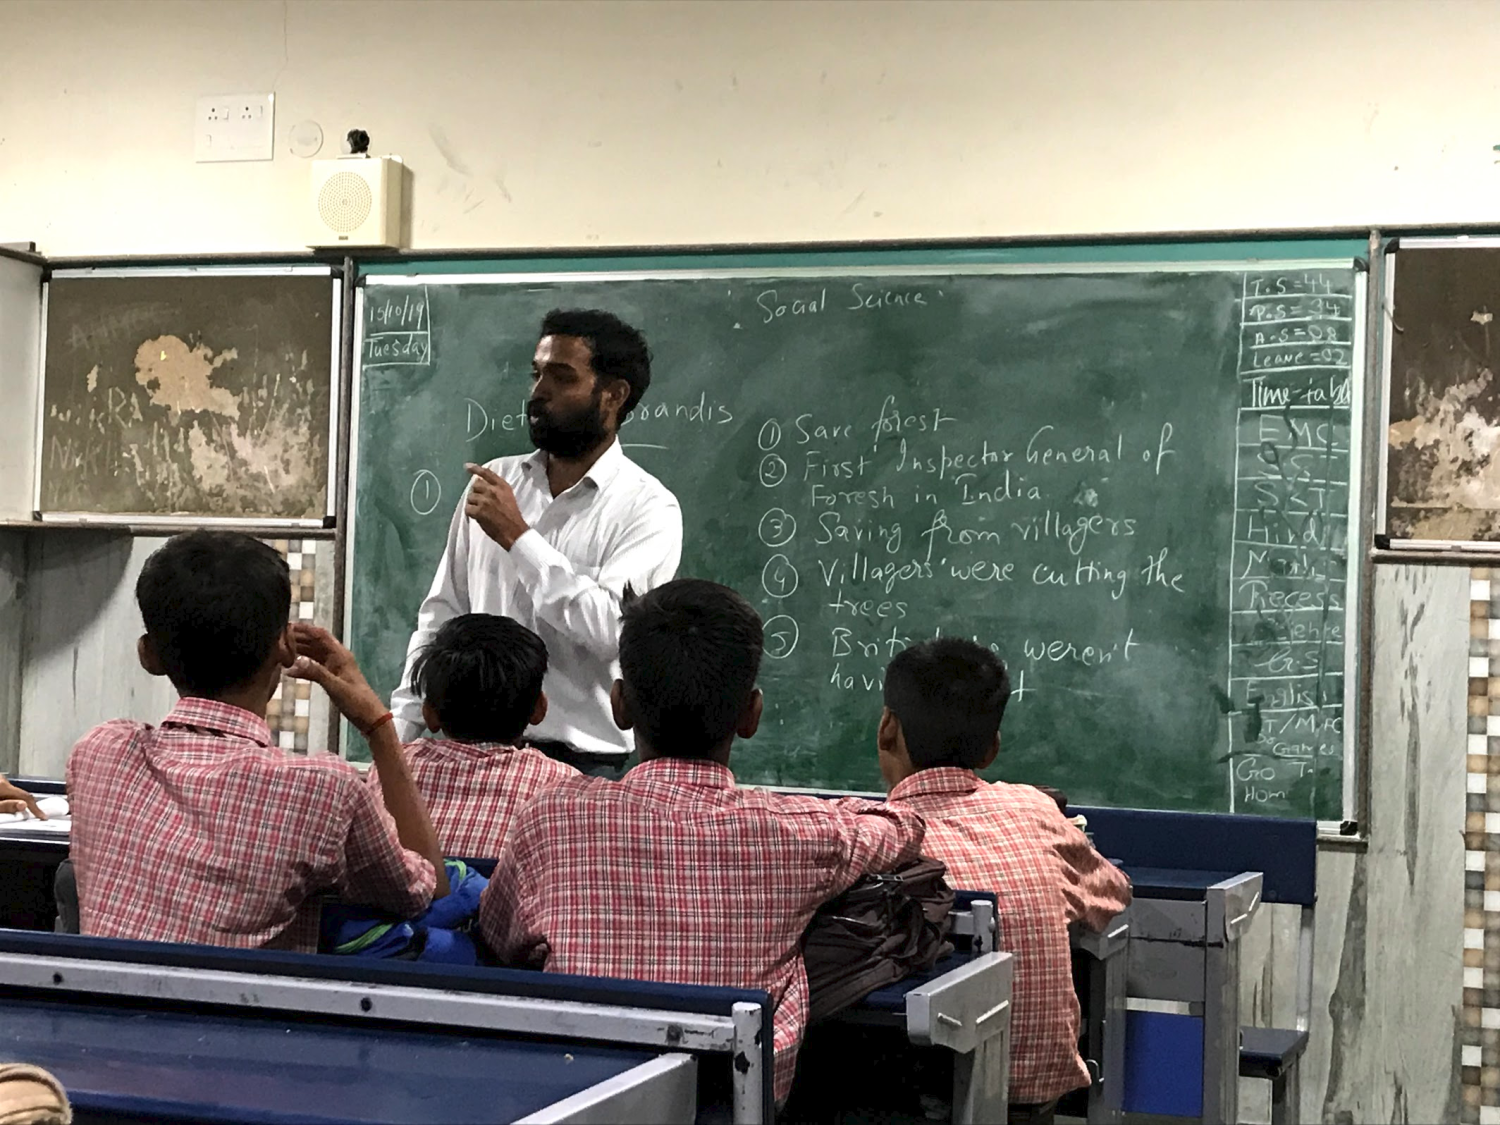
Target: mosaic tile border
{"points": [[289, 712], [1480, 1035]]}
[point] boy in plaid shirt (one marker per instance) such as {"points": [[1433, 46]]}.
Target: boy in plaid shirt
{"points": [[481, 684], [944, 700], [672, 873], [200, 829]]}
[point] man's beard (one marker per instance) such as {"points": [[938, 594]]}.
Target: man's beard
{"points": [[568, 435]]}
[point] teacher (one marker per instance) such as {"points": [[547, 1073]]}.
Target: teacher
{"points": [[552, 539]]}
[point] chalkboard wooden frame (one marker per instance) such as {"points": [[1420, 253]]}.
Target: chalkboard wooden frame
{"points": [[1072, 258], [168, 522]]}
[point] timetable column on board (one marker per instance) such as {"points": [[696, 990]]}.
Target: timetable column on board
{"points": [[1287, 599]]}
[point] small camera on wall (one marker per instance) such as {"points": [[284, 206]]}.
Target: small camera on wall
{"points": [[356, 199]]}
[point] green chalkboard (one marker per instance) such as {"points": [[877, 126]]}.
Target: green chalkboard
{"points": [[1132, 482]]}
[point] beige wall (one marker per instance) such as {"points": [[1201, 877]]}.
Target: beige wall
{"points": [[574, 123]]}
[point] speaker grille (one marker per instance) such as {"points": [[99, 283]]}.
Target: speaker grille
{"points": [[344, 202]]}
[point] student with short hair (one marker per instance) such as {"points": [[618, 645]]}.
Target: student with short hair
{"points": [[201, 829], [480, 680], [944, 700], [672, 873]]}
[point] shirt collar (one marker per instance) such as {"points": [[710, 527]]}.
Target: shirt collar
{"points": [[940, 780], [600, 473], [220, 718], [682, 771], [454, 748]]}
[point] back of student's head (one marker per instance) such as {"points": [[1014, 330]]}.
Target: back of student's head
{"points": [[689, 656], [483, 675], [949, 695], [215, 603]]}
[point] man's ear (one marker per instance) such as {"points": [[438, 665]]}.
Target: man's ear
{"points": [[539, 712], [991, 754], [617, 704], [750, 717], [431, 719], [612, 396], [286, 647], [888, 735], [145, 652]]}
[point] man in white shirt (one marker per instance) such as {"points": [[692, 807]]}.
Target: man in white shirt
{"points": [[552, 539]]}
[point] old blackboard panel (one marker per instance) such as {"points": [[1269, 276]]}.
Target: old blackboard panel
{"points": [[1443, 441], [204, 394], [1134, 484]]}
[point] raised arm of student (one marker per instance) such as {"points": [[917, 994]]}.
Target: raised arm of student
{"points": [[327, 663], [643, 552], [448, 597]]}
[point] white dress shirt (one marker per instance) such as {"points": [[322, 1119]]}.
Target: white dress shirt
{"points": [[563, 579]]}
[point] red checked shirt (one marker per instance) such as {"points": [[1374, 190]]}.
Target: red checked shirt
{"points": [[473, 790], [672, 874], [200, 831], [1011, 839]]}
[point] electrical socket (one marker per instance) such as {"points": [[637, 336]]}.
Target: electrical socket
{"points": [[234, 127]]}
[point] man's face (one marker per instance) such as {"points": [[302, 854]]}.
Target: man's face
{"points": [[566, 413]]}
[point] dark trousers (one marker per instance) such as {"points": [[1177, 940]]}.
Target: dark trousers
{"points": [[65, 889], [1043, 1114], [593, 765]]}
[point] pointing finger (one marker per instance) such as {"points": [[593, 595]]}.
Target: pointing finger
{"points": [[479, 472]]}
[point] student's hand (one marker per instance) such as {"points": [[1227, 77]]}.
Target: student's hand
{"points": [[492, 505], [14, 799], [325, 662]]}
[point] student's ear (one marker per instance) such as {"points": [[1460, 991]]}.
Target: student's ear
{"points": [[286, 647], [991, 754], [539, 712], [890, 750], [431, 719], [623, 718], [145, 652], [750, 717]]}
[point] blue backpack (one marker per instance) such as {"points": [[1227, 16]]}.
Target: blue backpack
{"points": [[440, 935]]}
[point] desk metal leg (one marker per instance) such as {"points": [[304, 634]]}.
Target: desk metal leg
{"points": [[1106, 1039], [981, 1081], [748, 1065], [1221, 1032], [1286, 1098]]}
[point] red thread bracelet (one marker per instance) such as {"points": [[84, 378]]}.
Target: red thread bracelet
{"points": [[377, 724]]}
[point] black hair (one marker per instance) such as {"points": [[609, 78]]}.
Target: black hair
{"points": [[949, 695], [482, 674], [618, 351], [689, 655], [214, 603]]}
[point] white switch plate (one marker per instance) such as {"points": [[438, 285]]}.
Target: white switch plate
{"points": [[234, 127]]}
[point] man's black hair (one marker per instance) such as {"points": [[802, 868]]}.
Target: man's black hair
{"points": [[689, 655], [214, 604], [482, 674], [950, 695], [618, 351]]}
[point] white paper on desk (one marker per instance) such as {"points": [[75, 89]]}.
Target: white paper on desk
{"points": [[57, 811]]}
